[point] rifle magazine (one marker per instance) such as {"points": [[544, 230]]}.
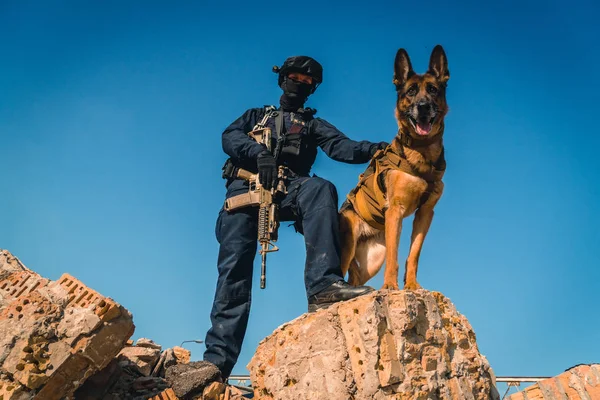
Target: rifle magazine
{"points": [[250, 199]]}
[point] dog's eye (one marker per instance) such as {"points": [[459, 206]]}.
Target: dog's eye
{"points": [[432, 89], [412, 90]]}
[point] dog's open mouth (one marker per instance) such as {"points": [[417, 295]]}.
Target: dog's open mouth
{"points": [[422, 127]]}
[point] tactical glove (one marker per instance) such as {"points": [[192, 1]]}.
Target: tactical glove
{"points": [[267, 169], [378, 146]]}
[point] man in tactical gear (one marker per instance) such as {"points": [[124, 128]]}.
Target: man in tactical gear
{"points": [[311, 202]]}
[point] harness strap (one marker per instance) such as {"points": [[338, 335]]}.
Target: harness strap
{"points": [[369, 196], [400, 161], [279, 133]]}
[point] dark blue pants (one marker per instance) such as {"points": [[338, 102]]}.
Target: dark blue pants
{"points": [[312, 203]]}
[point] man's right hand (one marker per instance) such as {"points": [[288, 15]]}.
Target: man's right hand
{"points": [[267, 169]]}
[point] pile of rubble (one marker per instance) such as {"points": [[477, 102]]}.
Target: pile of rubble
{"points": [[581, 382], [138, 371], [53, 335], [142, 371], [63, 340]]}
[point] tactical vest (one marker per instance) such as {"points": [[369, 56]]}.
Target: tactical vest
{"points": [[298, 149], [368, 196]]}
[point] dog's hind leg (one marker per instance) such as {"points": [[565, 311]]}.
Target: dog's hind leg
{"points": [[375, 256], [354, 274], [421, 224], [370, 256], [348, 238]]}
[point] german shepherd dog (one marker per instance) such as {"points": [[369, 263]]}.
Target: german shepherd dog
{"points": [[420, 111]]}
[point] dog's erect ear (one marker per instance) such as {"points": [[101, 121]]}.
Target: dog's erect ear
{"points": [[402, 68], [438, 64]]}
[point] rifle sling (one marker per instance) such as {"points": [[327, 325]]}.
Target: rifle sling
{"points": [[279, 127]]}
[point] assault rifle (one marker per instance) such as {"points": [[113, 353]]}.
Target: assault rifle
{"points": [[266, 200]]}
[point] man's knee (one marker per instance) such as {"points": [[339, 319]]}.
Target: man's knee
{"points": [[317, 194], [321, 188]]}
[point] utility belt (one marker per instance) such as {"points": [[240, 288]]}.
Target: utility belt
{"points": [[232, 171]]}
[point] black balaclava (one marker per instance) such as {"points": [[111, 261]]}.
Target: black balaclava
{"points": [[294, 94]]}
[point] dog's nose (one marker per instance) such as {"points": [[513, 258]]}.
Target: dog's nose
{"points": [[423, 106]]}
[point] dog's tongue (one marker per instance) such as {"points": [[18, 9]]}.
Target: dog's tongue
{"points": [[423, 128]]}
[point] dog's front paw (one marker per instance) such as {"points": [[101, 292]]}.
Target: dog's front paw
{"points": [[390, 286], [412, 286]]}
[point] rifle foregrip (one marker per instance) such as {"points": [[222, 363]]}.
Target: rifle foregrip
{"points": [[263, 225]]}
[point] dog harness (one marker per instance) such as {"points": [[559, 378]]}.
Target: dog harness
{"points": [[368, 197]]}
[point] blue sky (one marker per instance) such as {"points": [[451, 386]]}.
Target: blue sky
{"points": [[111, 117]]}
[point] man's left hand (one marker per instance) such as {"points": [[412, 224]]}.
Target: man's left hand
{"points": [[378, 146]]}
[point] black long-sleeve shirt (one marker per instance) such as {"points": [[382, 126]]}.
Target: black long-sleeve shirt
{"points": [[243, 150]]}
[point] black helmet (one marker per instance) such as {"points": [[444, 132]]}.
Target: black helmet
{"points": [[302, 64]]}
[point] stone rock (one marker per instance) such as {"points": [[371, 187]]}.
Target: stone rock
{"points": [[182, 355], [581, 382], [221, 391], [149, 383], [142, 358], [11, 265], [169, 360], [143, 342], [159, 368], [122, 381], [383, 345], [170, 357], [77, 322], [214, 391], [98, 385], [53, 335], [12, 391], [168, 394], [235, 393], [189, 380]]}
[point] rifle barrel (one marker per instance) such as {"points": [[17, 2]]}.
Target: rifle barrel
{"points": [[263, 270]]}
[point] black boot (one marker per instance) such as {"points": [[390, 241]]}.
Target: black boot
{"points": [[339, 291], [190, 380]]}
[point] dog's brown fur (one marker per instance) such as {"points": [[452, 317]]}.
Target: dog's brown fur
{"points": [[364, 248]]}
